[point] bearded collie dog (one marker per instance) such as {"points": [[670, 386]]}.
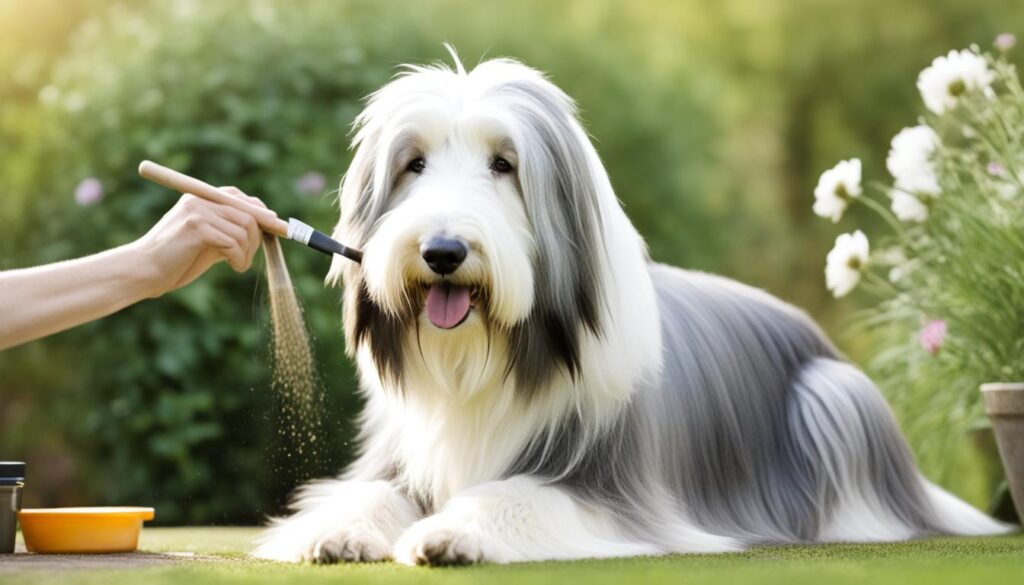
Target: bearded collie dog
{"points": [[537, 388]]}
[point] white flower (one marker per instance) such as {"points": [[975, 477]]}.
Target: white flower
{"points": [[909, 161], [907, 207], [836, 188], [948, 77], [846, 262]]}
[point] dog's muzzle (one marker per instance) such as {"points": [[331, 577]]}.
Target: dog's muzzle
{"points": [[447, 304], [443, 255]]}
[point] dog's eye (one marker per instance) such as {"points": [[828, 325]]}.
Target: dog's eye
{"points": [[417, 165], [500, 165]]}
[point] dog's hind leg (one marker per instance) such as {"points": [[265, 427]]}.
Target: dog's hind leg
{"points": [[869, 488], [521, 519]]}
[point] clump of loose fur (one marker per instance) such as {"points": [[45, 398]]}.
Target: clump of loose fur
{"points": [[295, 378]]}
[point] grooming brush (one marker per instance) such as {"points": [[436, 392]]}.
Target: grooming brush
{"points": [[292, 229]]}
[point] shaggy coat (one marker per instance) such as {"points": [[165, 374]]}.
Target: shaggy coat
{"points": [[591, 403]]}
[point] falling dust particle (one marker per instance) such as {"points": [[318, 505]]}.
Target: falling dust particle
{"points": [[296, 384]]}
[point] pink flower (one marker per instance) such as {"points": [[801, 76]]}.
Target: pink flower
{"points": [[995, 169], [933, 336], [89, 191], [311, 183], [1005, 41]]}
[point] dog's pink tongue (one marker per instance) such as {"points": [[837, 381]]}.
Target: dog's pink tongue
{"points": [[447, 305]]}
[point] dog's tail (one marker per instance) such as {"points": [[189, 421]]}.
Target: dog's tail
{"points": [[868, 485]]}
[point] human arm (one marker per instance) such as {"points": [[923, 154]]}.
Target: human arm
{"points": [[191, 237]]}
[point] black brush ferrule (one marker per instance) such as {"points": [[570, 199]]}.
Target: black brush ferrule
{"points": [[324, 243]]}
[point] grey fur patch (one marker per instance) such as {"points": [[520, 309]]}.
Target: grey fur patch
{"points": [[366, 208], [843, 420], [561, 203], [743, 431]]}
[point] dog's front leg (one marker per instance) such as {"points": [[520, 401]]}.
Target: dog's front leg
{"points": [[340, 521], [518, 519]]}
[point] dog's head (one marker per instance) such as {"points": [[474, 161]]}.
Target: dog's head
{"points": [[475, 198]]}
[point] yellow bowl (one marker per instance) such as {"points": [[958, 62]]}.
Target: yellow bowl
{"points": [[82, 530]]}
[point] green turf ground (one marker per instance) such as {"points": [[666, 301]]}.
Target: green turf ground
{"points": [[933, 562]]}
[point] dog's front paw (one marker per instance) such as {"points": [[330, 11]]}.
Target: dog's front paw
{"points": [[434, 541], [351, 545], [358, 543], [340, 521]]}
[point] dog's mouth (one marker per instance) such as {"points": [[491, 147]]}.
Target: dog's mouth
{"points": [[448, 304]]}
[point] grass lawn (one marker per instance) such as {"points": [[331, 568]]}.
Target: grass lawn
{"points": [[219, 557]]}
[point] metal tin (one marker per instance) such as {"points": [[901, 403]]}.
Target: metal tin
{"points": [[12, 483]]}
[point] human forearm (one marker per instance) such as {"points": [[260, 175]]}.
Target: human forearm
{"points": [[35, 302], [194, 235]]}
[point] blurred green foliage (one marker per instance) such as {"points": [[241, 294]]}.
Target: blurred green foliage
{"points": [[714, 119]]}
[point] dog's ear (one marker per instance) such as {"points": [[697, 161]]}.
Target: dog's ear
{"points": [[355, 199], [362, 200], [357, 205], [561, 195]]}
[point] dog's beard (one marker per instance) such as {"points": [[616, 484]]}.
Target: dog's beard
{"points": [[458, 356]]}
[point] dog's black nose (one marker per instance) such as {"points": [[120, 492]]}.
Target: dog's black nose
{"points": [[442, 254]]}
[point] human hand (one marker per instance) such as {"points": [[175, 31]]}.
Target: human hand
{"points": [[193, 236]]}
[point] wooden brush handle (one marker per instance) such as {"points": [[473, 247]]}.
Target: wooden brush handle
{"points": [[182, 183]]}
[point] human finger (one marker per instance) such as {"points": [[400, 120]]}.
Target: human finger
{"points": [[228, 238], [253, 235]]}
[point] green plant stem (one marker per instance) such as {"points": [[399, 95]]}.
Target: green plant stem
{"points": [[883, 212]]}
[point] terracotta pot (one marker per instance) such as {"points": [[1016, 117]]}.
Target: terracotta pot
{"points": [[1000, 504], [1004, 404]]}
